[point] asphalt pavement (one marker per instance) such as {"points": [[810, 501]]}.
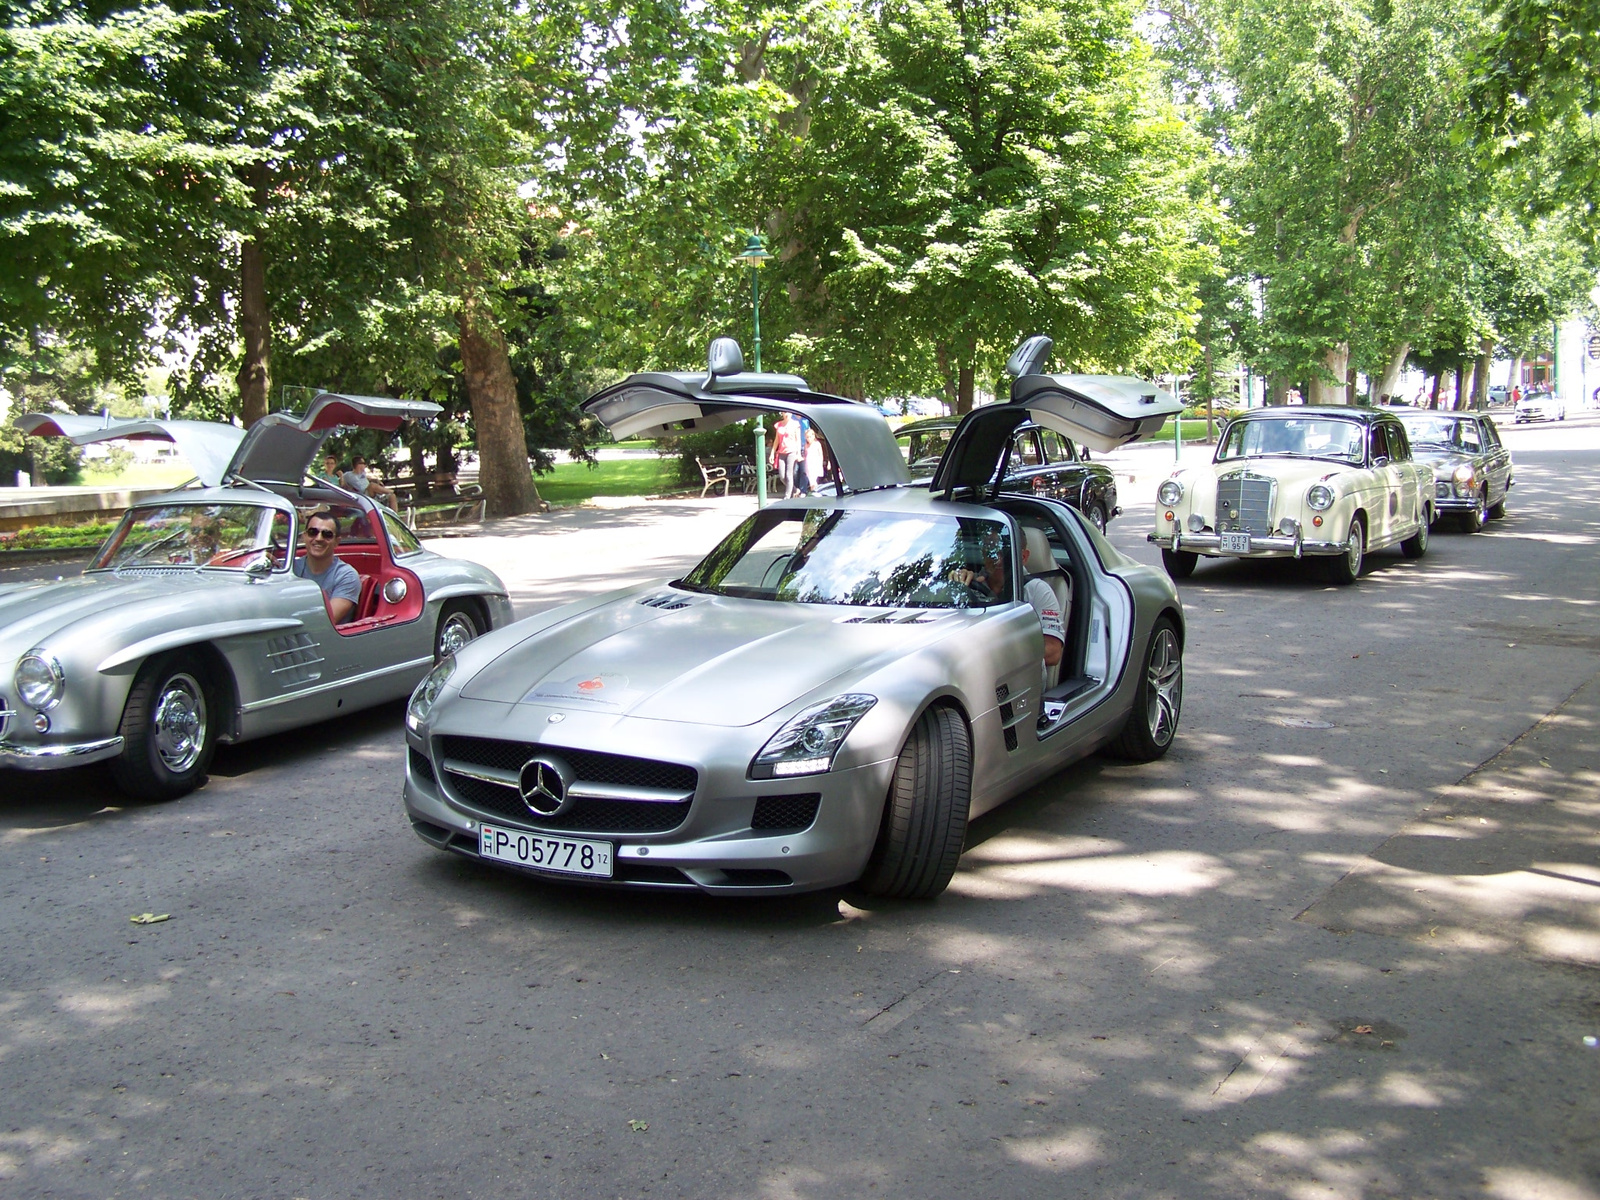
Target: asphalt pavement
{"points": [[1335, 944]]}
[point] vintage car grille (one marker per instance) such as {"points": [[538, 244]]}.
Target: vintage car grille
{"points": [[595, 770], [786, 812], [5, 716], [1250, 496]]}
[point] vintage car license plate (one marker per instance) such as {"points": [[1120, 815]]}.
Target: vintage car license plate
{"points": [[571, 856], [1235, 543]]}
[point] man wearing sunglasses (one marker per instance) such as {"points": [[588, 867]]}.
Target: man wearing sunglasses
{"points": [[339, 581]]}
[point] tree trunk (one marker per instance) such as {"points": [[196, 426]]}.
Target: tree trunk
{"points": [[1480, 387], [1337, 361], [965, 382], [421, 484], [503, 470], [1433, 397], [1463, 385], [1514, 380], [1389, 385], [255, 371], [1211, 401], [1277, 390]]}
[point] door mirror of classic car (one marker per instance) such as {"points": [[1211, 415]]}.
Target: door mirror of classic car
{"points": [[258, 570]]}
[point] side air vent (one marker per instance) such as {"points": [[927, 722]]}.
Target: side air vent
{"points": [[666, 601], [911, 616]]}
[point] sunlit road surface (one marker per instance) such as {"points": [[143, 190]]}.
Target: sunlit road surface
{"points": [[1337, 944]]}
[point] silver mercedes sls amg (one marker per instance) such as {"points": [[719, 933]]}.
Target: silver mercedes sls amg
{"points": [[836, 689], [189, 628]]}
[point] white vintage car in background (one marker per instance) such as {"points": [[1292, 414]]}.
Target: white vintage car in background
{"points": [[1298, 482]]}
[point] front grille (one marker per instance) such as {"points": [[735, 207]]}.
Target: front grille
{"points": [[5, 716], [1250, 496], [786, 812], [589, 766], [421, 768]]}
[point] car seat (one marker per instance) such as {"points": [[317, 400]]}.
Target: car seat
{"points": [[1041, 564]]}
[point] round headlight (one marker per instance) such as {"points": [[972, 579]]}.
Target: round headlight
{"points": [[1464, 473], [1319, 497], [39, 681], [1170, 492]]}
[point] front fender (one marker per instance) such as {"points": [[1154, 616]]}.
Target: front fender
{"points": [[127, 660]]}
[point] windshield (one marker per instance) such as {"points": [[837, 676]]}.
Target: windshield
{"points": [[196, 535], [924, 448], [1294, 437], [833, 556], [1434, 431]]}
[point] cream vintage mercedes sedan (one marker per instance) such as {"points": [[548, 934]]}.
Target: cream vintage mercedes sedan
{"points": [[1334, 483]]}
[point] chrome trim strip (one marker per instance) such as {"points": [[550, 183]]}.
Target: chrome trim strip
{"points": [[332, 684], [53, 757], [510, 779]]}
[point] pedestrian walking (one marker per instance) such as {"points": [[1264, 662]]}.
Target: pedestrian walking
{"points": [[786, 451]]}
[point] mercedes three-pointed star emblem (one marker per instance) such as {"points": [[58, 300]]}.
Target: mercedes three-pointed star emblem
{"points": [[544, 784]]}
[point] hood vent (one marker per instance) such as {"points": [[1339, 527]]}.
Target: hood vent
{"points": [[913, 616], [667, 601]]}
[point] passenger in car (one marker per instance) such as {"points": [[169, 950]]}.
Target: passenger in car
{"points": [[339, 581], [1049, 601]]}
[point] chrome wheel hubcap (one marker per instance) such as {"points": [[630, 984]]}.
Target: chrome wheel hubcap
{"points": [[457, 632], [180, 723], [1165, 686], [1356, 548]]}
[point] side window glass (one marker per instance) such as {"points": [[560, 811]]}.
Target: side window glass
{"points": [[1056, 448], [1469, 436], [1380, 444], [401, 540], [1025, 450], [1399, 451], [1490, 433]]}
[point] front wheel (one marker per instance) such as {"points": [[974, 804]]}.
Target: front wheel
{"points": [[1416, 545], [168, 734], [925, 815], [1475, 520], [1095, 514], [1346, 569], [1498, 508], [1179, 563], [458, 625], [1157, 701]]}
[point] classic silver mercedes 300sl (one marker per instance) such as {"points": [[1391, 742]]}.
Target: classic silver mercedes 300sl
{"points": [[189, 627], [836, 689]]}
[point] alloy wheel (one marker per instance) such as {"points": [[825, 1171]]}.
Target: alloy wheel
{"points": [[1165, 692], [179, 721]]}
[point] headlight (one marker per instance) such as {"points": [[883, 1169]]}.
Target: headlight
{"points": [[1320, 497], [807, 743], [1170, 492], [39, 681], [1464, 473], [427, 693]]}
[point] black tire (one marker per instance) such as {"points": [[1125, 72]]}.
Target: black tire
{"points": [[1179, 563], [1498, 508], [1157, 701], [1475, 520], [1346, 569], [1095, 514], [1416, 545], [169, 728], [459, 623], [925, 815]]}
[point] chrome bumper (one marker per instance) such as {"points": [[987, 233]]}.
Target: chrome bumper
{"points": [[1455, 503], [1210, 544], [59, 756]]}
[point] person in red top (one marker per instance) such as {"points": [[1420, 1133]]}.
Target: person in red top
{"points": [[786, 451]]}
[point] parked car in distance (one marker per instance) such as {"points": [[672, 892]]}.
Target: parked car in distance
{"points": [[1472, 469], [836, 689], [189, 627], [1499, 394], [1541, 406], [1298, 482], [1038, 460]]}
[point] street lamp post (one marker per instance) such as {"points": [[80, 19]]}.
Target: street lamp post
{"points": [[755, 256]]}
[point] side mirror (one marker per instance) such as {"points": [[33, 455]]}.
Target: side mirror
{"points": [[724, 358], [258, 570], [1380, 460]]}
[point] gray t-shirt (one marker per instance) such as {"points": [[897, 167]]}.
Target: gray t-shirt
{"points": [[340, 581]]}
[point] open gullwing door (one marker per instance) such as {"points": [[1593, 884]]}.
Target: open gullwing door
{"points": [[661, 404], [207, 446]]}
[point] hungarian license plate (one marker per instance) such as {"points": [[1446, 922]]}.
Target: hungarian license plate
{"points": [[1235, 543], [570, 856]]}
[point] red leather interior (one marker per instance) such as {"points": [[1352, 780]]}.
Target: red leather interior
{"points": [[373, 611]]}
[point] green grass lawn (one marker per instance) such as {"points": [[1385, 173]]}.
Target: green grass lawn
{"points": [[1193, 431], [139, 475], [572, 483]]}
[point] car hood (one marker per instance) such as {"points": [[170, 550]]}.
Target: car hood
{"points": [[31, 614], [716, 661], [1439, 458], [1289, 472]]}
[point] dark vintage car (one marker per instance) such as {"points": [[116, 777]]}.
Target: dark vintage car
{"points": [[1039, 460], [1471, 467]]}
